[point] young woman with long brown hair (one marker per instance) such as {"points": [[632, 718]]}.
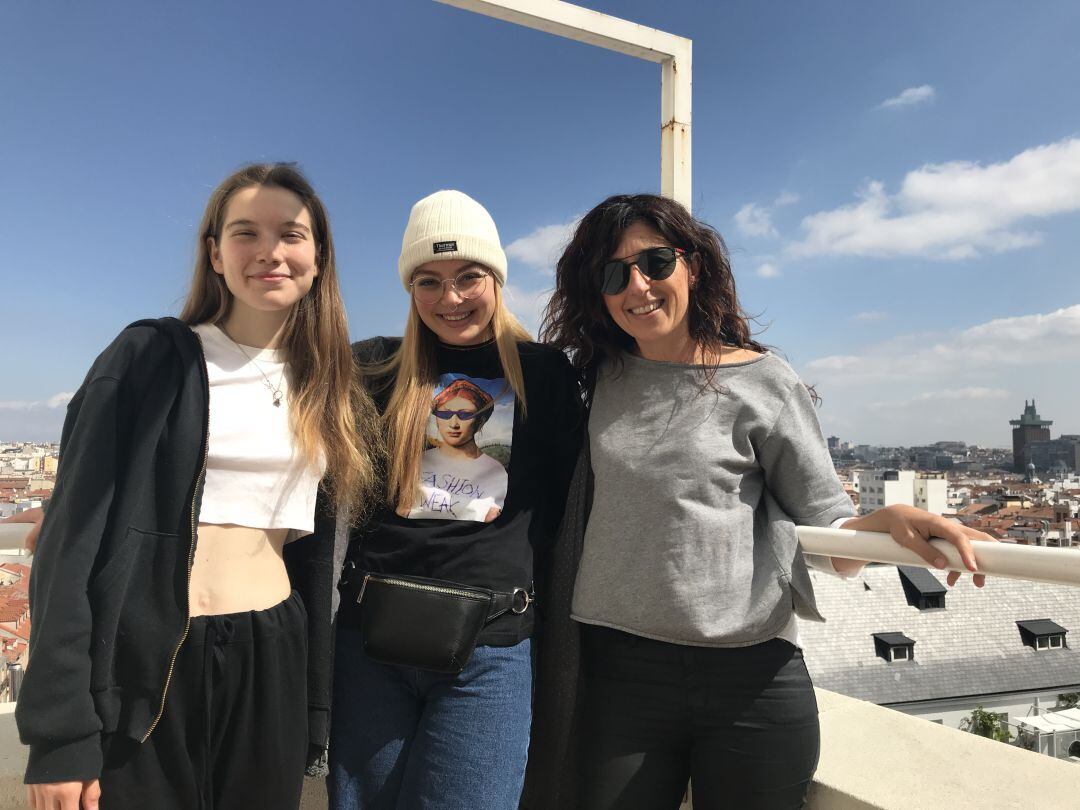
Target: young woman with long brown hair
{"points": [[179, 652], [433, 673]]}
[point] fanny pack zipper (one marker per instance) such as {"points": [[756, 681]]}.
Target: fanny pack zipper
{"points": [[402, 583]]}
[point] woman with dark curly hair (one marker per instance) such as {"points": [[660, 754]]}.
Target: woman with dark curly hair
{"points": [[703, 455]]}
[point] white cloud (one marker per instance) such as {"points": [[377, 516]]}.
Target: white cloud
{"points": [[768, 270], [998, 346], [951, 211], [542, 247], [870, 315], [910, 97], [963, 384], [55, 401], [836, 362], [527, 305], [755, 220], [59, 400], [972, 392]]}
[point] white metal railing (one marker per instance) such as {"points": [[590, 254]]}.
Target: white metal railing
{"points": [[1056, 565], [13, 535], [1060, 566]]}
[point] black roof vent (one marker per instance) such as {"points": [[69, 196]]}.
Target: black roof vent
{"points": [[1042, 634], [922, 589], [894, 646]]}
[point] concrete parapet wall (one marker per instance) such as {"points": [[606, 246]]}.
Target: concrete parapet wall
{"points": [[871, 759]]}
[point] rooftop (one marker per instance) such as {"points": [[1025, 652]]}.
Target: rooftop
{"points": [[972, 647]]}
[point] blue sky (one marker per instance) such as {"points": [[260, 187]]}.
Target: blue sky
{"points": [[899, 184]]}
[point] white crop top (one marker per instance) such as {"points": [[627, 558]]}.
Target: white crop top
{"points": [[255, 476]]}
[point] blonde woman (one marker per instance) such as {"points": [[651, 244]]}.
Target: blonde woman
{"points": [[171, 663], [433, 680]]}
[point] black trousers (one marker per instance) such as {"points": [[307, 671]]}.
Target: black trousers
{"points": [[234, 732], [739, 723]]}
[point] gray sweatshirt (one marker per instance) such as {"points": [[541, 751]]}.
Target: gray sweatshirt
{"points": [[691, 538]]}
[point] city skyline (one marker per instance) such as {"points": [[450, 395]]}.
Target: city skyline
{"points": [[899, 188]]}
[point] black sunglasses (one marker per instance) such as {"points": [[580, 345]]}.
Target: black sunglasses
{"points": [[655, 264]]}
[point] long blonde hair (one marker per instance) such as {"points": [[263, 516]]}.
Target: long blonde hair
{"points": [[331, 414], [413, 372]]}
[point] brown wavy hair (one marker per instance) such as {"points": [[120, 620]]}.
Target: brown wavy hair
{"points": [[331, 414], [576, 319]]}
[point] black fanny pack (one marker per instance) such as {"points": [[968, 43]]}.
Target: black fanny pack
{"points": [[428, 623]]}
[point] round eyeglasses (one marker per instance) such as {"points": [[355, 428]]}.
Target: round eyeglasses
{"points": [[429, 289]]}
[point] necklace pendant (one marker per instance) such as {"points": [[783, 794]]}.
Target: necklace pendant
{"points": [[277, 399]]}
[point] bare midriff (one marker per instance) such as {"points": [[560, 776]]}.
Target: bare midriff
{"points": [[237, 568]]}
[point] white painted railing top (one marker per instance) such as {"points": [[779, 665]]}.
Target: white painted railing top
{"points": [[1056, 565]]}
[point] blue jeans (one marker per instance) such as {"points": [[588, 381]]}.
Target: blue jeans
{"points": [[410, 739]]}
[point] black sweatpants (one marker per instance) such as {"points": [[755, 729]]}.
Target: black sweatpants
{"points": [[234, 732], [740, 723]]}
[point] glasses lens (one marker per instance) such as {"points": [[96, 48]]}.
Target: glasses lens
{"points": [[614, 277], [470, 284], [657, 263], [427, 289]]}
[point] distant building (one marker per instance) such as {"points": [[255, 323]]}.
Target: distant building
{"points": [[880, 488], [1030, 427], [932, 494], [1056, 455]]}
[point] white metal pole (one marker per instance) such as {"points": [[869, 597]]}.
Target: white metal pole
{"points": [[673, 53], [1055, 565]]}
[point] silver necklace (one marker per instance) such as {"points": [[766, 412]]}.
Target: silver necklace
{"points": [[275, 390]]}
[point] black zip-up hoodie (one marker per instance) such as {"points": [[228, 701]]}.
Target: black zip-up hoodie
{"points": [[109, 588]]}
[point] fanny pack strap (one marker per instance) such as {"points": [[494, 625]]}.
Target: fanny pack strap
{"points": [[516, 601]]}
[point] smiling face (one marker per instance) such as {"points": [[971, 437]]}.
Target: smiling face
{"points": [[654, 313], [266, 252], [457, 431], [455, 320]]}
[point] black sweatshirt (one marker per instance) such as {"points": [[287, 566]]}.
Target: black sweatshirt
{"points": [[487, 521], [108, 592]]}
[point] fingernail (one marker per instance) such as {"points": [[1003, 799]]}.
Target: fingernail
{"points": [[940, 562]]}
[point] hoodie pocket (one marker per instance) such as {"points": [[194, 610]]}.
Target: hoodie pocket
{"points": [[137, 600]]}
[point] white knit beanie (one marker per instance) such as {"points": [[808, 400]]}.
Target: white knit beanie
{"points": [[450, 225]]}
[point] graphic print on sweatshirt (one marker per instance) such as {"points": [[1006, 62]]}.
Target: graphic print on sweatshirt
{"points": [[463, 471]]}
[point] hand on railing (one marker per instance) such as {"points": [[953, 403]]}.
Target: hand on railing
{"points": [[33, 516], [912, 529], [1059, 566]]}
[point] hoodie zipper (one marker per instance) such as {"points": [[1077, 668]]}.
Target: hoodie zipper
{"points": [[191, 548]]}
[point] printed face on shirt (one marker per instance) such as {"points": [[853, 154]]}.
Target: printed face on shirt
{"points": [[456, 421], [266, 251], [463, 473], [455, 320]]}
